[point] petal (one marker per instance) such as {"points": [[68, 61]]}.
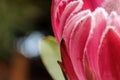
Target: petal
{"points": [[88, 72], [92, 5], [98, 2], [57, 9], [77, 43], [93, 42], [71, 23], [109, 56], [61, 10], [114, 20], [111, 5], [66, 62], [56, 12], [71, 8], [88, 5]]}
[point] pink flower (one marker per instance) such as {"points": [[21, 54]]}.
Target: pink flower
{"points": [[89, 36]]}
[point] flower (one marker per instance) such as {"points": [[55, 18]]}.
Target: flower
{"points": [[89, 36]]}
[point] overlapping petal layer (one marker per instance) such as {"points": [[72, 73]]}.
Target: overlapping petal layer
{"points": [[109, 56], [62, 9], [89, 38], [66, 62], [93, 42]]}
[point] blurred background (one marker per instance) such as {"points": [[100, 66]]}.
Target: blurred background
{"points": [[23, 23]]}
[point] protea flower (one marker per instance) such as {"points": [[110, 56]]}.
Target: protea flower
{"points": [[89, 36]]}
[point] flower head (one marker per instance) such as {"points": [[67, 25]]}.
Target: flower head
{"points": [[89, 36]]}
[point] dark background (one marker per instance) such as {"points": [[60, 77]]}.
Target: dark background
{"points": [[19, 18]]}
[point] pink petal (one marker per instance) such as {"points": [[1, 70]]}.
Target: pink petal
{"points": [[88, 72], [77, 43], [88, 5], [109, 56], [66, 62], [57, 9], [71, 8], [93, 42], [56, 12], [98, 2], [71, 23], [114, 20], [92, 4], [111, 5]]}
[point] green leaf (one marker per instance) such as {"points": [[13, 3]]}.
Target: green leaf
{"points": [[50, 54]]}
